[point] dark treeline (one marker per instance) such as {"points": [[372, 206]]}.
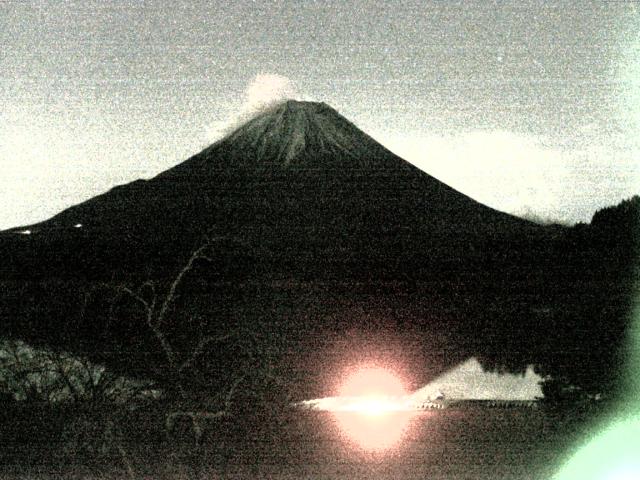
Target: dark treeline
{"points": [[577, 334]]}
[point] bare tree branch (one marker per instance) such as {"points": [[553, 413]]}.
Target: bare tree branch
{"points": [[170, 297], [199, 349], [156, 308], [136, 297], [199, 418], [232, 391], [149, 308]]}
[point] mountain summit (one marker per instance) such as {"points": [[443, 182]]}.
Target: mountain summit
{"points": [[296, 129], [314, 230], [299, 183], [295, 135]]}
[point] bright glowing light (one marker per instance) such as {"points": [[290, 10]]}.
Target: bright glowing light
{"points": [[373, 416], [374, 433], [372, 382], [373, 406]]}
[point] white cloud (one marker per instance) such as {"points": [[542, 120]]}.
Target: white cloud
{"points": [[264, 91], [522, 175], [267, 89]]}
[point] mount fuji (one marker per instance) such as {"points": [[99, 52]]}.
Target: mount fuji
{"points": [[319, 241]]}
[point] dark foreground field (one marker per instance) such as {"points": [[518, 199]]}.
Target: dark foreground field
{"points": [[445, 444]]}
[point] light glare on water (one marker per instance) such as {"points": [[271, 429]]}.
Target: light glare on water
{"points": [[374, 432], [373, 418]]}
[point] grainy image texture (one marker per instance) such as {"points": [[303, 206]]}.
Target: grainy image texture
{"points": [[319, 239]]}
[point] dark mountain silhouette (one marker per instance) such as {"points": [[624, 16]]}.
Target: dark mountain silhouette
{"points": [[297, 179], [325, 246]]}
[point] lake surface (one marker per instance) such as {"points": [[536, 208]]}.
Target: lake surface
{"points": [[482, 443], [443, 444]]}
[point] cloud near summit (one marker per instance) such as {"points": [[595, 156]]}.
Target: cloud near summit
{"points": [[264, 91]]}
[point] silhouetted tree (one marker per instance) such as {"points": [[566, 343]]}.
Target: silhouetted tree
{"points": [[583, 345]]}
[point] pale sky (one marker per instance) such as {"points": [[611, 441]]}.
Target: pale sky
{"points": [[528, 106]]}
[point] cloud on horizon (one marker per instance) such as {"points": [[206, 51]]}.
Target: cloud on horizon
{"points": [[521, 174]]}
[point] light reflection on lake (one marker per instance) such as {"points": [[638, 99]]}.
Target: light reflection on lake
{"points": [[435, 444], [374, 432]]}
